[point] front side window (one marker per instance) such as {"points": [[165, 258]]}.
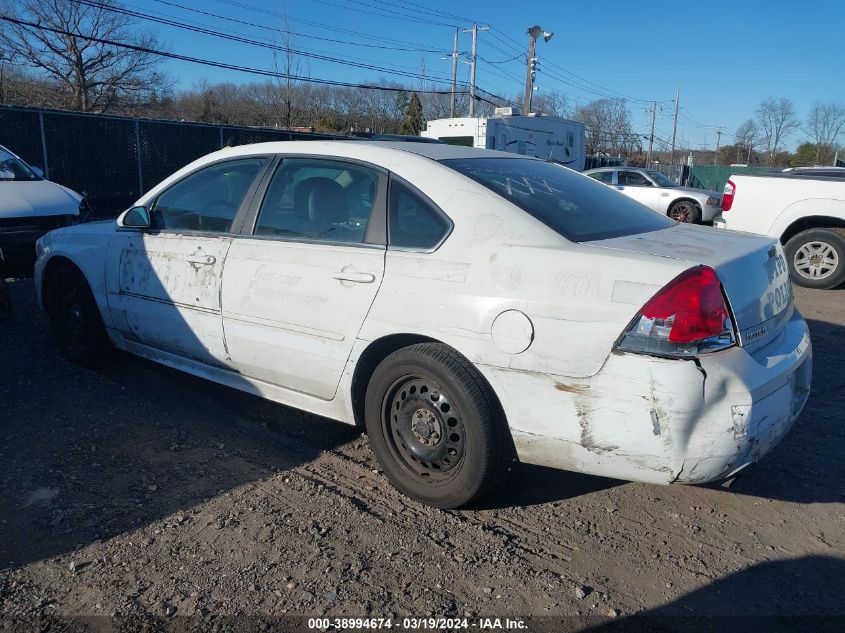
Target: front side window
{"points": [[318, 200], [208, 200], [413, 222], [580, 209], [633, 179], [662, 180]]}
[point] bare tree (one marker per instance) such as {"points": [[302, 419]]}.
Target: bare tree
{"points": [[824, 124], [95, 76], [776, 119], [550, 103], [608, 127], [288, 63], [746, 137]]}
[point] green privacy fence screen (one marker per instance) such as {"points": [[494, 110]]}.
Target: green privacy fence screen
{"points": [[714, 177], [116, 159]]}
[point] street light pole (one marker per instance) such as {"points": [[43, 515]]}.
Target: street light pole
{"points": [[529, 75], [533, 33]]}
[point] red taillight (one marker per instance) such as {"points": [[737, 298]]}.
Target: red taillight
{"points": [[728, 195], [694, 303], [686, 317]]}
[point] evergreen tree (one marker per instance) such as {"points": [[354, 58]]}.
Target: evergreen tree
{"points": [[413, 123]]}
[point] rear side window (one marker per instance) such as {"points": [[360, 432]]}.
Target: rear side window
{"points": [[603, 176], [413, 222], [580, 209]]}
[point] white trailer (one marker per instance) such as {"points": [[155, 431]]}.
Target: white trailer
{"points": [[546, 137]]}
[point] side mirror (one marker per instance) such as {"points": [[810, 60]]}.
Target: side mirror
{"points": [[135, 218], [38, 171]]}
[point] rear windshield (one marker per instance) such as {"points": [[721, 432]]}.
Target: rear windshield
{"points": [[580, 209]]}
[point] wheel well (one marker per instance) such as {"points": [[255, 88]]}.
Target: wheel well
{"points": [[677, 200], [812, 222], [370, 358], [50, 269], [380, 349]]}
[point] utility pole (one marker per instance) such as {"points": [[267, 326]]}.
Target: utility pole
{"points": [[529, 75], [533, 33], [718, 138], [472, 70], [474, 30], [675, 127], [453, 103], [651, 136]]}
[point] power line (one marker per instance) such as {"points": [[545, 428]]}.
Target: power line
{"points": [[422, 9], [252, 42], [216, 64], [308, 35], [336, 29], [385, 13]]}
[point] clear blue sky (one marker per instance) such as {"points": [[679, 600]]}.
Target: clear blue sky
{"points": [[724, 56]]}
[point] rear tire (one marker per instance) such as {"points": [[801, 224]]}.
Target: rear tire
{"points": [[816, 258], [435, 426], [75, 318], [685, 211]]}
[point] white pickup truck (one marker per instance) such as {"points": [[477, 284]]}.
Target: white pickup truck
{"points": [[805, 211]]}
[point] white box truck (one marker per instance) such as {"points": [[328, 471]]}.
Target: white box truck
{"points": [[546, 137]]}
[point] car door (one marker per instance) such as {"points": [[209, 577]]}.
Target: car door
{"points": [[164, 281], [636, 185], [300, 280]]}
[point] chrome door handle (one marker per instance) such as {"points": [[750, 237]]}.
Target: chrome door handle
{"points": [[620, 188], [355, 277], [204, 260]]}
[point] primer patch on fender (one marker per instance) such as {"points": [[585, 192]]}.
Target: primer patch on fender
{"points": [[633, 292]]}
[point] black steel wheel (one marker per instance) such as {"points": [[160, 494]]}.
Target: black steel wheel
{"points": [[75, 318], [423, 428], [435, 426]]}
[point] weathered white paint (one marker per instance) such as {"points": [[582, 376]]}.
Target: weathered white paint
{"points": [[288, 326]]}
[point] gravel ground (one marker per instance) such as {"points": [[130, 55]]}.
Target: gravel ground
{"points": [[138, 497]]}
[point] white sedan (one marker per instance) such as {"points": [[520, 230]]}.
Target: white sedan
{"points": [[465, 306], [30, 206]]}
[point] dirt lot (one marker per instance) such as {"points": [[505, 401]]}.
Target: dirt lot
{"points": [[141, 495]]}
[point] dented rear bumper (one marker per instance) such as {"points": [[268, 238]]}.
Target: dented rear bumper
{"points": [[643, 418]]}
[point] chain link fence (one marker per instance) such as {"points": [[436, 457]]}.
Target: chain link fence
{"points": [[114, 160]]}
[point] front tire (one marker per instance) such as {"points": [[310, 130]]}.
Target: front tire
{"points": [[435, 426], [685, 211], [75, 318], [816, 258]]}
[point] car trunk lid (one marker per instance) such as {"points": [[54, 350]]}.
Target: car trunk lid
{"points": [[752, 270]]}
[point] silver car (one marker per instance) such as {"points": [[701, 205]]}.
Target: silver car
{"points": [[657, 191]]}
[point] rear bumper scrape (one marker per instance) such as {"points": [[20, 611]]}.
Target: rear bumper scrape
{"points": [[659, 420]]}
